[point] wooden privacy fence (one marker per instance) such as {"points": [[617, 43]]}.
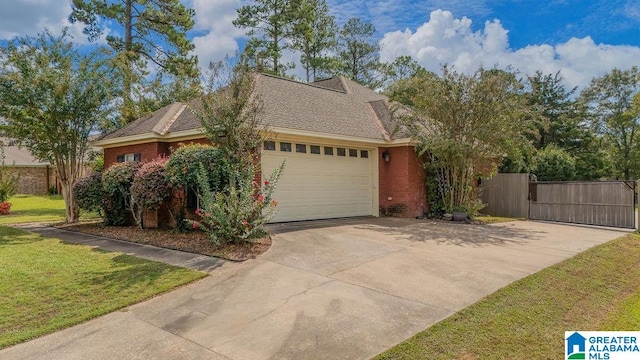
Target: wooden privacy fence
{"points": [[506, 195], [604, 203]]}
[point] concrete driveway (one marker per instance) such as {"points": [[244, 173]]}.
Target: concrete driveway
{"points": [[346, 289]]}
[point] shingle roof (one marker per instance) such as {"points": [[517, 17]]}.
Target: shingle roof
{"points": [[19, 155], [334, 106]]}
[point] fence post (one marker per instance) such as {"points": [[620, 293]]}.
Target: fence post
{"points": [[637, 213]]}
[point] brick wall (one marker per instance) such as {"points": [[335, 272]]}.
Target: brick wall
{"points": [[402, 183], [148, 151], [33, 179]]}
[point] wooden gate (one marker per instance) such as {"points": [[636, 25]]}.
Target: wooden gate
{"points": [[604, 203]]}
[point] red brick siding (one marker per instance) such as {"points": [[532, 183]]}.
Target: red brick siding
{"points": [[403, 180], [148, 151]]}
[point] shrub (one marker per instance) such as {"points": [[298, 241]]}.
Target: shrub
{"points": [[8, 181], [554, 164], [5, 208], [89, 193], [116, 183], [150, 188], [238, 213], [185, 163]]}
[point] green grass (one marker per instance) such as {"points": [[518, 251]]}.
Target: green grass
{"points": [[46, 285], [595, 290], [486, 219], [45, 209]]}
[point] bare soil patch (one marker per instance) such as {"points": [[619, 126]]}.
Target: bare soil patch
{"points": [[192, 241]]}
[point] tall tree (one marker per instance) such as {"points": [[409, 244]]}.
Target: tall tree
{"points": [[314, 36], [358, 53], [565, 127], [609, 102], [403, 67], [151, 33], [52, 97], [270, 25], [464, 124]]}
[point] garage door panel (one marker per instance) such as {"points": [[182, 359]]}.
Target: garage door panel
{"points": [[316, 186]]}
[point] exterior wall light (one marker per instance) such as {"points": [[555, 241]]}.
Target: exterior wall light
{"points": [[386, 156]]}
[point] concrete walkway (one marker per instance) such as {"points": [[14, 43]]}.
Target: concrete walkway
{"points": [[325, 290]]}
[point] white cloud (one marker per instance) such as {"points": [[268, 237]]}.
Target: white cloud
{"points": [[30, 17], [447, 40], [218, 34]]}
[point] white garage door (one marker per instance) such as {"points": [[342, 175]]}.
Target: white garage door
{"points": [[320, 182]]}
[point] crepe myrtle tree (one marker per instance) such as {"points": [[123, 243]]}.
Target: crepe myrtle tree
{"points": [[52, 97], [230, 114], [463, 125]]}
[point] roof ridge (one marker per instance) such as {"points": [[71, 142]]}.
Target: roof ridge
{"points": [[165, 122], [302, 83], [378, 122]]}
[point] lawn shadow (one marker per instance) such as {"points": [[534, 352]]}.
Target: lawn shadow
{"points": [[127, 272], [12, 236]]}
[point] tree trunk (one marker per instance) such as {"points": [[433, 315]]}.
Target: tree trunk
{"points": [[71, 208], [128, 113]]}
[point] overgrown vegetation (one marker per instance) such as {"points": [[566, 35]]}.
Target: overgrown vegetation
{"points": [[464, 125], [185, 162], [47, 285], [595, 290], [89, 193], [116, 183], [8, 181], [229, 114], [150, 188]]}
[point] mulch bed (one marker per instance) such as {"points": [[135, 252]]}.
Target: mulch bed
{"points": [[192, 241]]}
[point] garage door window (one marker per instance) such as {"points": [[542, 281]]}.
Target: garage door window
{"points": [[270, 145], [353, 153], [342, 152], [364, 154], [286, 147], [301, 148], [315, 149], [328, 151]]}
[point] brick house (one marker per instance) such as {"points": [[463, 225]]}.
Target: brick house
{"points": [[36, 177], [342, 156]]}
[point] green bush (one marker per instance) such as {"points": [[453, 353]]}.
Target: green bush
{"points": [[185, 163], [554, 164], [8, 181], [150, 187], [237, 214], [89, 193], [116, 183]]}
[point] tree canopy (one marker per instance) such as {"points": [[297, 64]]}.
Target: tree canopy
{"points": [[609, 102], [464, 125], [151, 34], [52, 97]]}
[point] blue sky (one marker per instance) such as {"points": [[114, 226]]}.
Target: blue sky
{"points": [[582, 39]]}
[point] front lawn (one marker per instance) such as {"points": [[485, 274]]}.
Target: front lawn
{"points": [[46, 285], [31, 208], [595, 290]]}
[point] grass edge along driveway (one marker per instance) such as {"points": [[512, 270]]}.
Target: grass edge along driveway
{"points": [[46, 285], [598, 289]]}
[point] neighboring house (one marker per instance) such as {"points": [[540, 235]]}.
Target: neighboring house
{"points": [[342, 159], [36, 177]]}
